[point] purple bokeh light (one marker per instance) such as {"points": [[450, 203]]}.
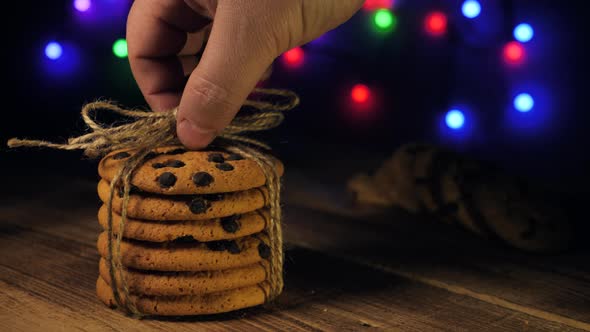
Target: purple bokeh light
{"points": [[82, 5]]}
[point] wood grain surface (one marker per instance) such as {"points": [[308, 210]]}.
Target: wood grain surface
{"points": [[345, 271]]}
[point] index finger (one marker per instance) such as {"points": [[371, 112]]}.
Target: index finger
{"points": [[156, 33]]}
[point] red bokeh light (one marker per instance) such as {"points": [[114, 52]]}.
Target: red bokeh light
{"points": [[294, 57], [377, 4], [360, 94], [436, 23], [514, 53]]}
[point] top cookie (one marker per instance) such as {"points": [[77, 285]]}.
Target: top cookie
{"points": [[176, 171]]}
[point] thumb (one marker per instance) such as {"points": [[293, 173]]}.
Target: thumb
{"points": [[235, 58]]}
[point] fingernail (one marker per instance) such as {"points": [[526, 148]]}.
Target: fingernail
{"points": [[192, 136]]}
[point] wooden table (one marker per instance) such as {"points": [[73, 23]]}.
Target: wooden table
{"points": [[346, 270]]}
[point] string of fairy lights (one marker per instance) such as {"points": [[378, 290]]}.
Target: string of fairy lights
{"points": [[436, 25], [382, 14]]}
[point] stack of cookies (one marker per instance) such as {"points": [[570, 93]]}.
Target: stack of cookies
{"points": [[194, 240], [423, 178]]}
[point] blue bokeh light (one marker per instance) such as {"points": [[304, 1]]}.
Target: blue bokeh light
{"points": [[61, 59], [455, 119], [524, 102], [541, 101], [53, 50], [523, 32], [471, 8]]}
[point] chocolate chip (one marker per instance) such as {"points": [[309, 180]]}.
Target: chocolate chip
{"points": [[169, 163], [214, 197], [202, 179], [216, 158], [150, 155], [263, 250], [217, 245], [175, 151], [225, 167], [233, 247], [198, 205], [121, 155], [175, 163], [234, 156], [167, 180], [230, 224], [185, 239]]}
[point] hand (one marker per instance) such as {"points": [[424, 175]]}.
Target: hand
{"points": [[242, 37]]}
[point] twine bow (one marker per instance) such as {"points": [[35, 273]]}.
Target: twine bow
{"points": [[150, 130]]}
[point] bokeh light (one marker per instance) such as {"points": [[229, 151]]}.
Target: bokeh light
{"points": [[82, 5], [377, 4], [455, 119], [61, 59], [532, 109], [514, 53], [471, 8], [436, 23], [524, 102], [53, 50], [120, 48], [360, 93], [523, 32], [384, 20], [294, 57], [360, 102]]}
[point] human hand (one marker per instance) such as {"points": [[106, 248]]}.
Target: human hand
{"points": [[241, 39]]}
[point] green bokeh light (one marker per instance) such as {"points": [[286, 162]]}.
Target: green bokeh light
{"points": [[384, 20], [120, 48]]}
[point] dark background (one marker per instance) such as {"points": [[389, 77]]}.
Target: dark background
{"points": [[415, 79]]}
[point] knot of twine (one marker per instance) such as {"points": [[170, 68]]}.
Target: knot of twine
{"points": [[150, 130]]}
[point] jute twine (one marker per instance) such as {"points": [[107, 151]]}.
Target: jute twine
{"points": [[150, 130]]}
